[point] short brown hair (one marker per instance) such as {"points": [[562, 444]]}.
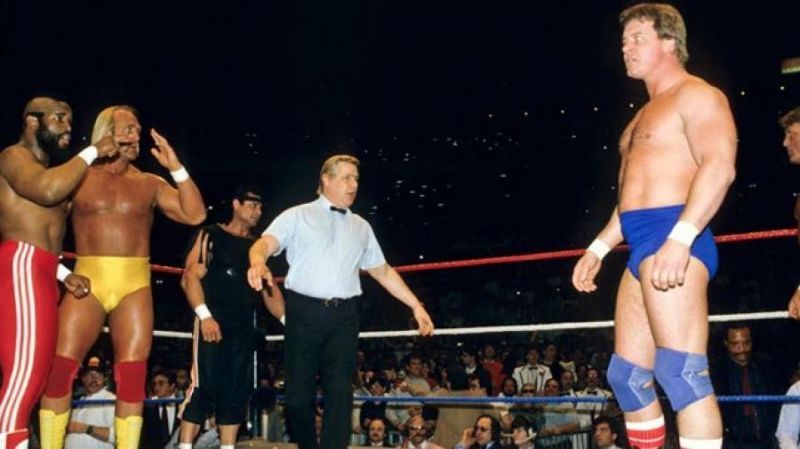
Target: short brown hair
{"points": [[329, 166], [667, 22], [790, 118]]}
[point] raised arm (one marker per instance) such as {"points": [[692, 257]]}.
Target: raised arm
{"points": [[48, 187], [394, 284], [184, 204]]}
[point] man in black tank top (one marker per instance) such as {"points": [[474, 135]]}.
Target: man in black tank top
{"points": [[215, 284]]}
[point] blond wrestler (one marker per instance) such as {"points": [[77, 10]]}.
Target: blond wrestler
{"points": [[112, 215], [677, 162]]}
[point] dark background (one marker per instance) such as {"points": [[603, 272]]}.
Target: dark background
{"points": [[484, 128]]}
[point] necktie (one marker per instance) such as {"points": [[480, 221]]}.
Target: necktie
{"points": [[339, 209], [164, 419], [749, 409]]}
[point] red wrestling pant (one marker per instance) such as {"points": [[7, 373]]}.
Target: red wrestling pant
{"points": [[28, 329]]}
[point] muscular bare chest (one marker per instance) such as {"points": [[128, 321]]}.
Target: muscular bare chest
{"points": [[657, 126], [105, 193]]}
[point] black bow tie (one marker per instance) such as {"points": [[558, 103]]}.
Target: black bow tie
{"points": [[338, 209]]}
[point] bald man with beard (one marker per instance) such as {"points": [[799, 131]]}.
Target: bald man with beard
{"points": [[33, 210]]}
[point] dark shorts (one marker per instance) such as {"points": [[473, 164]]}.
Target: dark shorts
{"points": [[222, 379], [646, 230]]}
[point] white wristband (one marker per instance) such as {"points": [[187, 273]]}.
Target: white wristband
{"points": [[88, 154], [599, 248], [180, 174], [683, 232], [62, 272], [202, 312], [283, 320]]}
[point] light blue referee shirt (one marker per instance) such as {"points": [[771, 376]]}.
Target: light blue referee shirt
{"points": [[789, 422], [325, 249]]}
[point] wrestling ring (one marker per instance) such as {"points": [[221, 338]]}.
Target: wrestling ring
{"points": [[578, 441]]}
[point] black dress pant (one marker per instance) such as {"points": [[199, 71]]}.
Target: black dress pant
{"points": [[321, 337]]}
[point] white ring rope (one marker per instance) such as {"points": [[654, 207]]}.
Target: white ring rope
{"points": [[518, 328]]}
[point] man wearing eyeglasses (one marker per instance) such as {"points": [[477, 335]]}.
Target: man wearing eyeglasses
{"points": [[526, 410], [417, 434]]}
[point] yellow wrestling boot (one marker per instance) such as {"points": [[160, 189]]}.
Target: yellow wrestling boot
{"points": [[52, 429], [128, 431]]}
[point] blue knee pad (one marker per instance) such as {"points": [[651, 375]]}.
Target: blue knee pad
{"points": [[633, 385], [683, 376]]}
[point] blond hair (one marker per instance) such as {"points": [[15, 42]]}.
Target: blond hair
{"points": [[329, 167], [667, 22], [104, 124]]}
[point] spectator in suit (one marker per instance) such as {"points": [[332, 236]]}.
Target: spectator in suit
{"points": [[160, 420], [469, 357], [743, 372]]}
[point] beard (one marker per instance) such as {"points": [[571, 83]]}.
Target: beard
{"points": [[48, 142]]}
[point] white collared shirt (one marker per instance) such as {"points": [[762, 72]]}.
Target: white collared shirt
{"points": [[170, 408], [325, 249], [98, 415]]}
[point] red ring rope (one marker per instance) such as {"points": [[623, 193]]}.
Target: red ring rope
{"points": [[547, 255]]}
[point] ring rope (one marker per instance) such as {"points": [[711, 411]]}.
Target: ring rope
{"points": [[518, 328], [547, 255], [735, 399]]}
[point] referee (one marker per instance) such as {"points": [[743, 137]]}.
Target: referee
{"points": [[326, 245]]}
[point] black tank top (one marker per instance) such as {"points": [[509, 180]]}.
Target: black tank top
{"points": [[228, 296]]}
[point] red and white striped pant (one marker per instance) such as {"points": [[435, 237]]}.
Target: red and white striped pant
{"points": [[28, 331]]}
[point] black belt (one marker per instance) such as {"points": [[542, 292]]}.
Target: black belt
{"points": [[325, 302], [332, 302]]}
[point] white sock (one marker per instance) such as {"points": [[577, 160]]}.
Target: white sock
{"points": [[227, 446], [185, 446], [698, 443]]}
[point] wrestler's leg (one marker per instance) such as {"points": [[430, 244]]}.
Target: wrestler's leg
{"points": [[633, 340], [131, 324], [679, 320], [28, 332], [227, 434], [80, 322], [630, 373], [188, 432]]}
